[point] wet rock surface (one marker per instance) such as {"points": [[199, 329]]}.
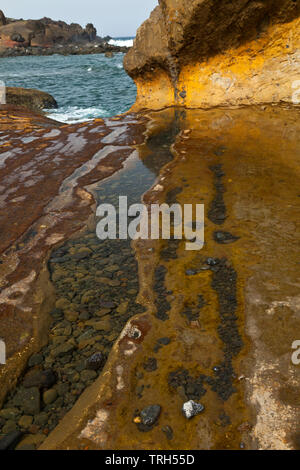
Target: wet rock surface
{"points": [[87, 321], [96, 285], [226, 304], [34, 168], [204, 355]]}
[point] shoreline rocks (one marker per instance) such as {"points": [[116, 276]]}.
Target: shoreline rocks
{"points": [[68, 49], [48, 37], [34, 100]]}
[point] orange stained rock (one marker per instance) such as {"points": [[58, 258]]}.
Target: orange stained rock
{"points": [[231, 54]]}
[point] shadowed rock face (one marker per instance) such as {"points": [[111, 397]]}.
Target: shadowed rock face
{"points": [[34, 100], [2, 18], [188, 47]]}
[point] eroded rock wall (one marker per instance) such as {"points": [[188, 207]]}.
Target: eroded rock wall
{"points": [[198, 54]]}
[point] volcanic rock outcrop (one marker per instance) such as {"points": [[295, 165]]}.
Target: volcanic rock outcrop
{"points": [[34, 100], [43, 33], [47, 37], [198, 54]]}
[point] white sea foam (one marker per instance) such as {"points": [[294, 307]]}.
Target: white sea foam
{"points": [[74, 114], [121, 42]]}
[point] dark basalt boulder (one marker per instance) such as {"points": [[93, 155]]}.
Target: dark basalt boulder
{"points": [[34, 100], [2, 18]]}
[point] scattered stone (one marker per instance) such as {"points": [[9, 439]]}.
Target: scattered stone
{"points": [[49, 396], [217, 211], [220, 151], [100, 325], [164, 341], [150, 415], [191, 272], [224, 237], [103, 312], [33, 441], [28, 399], [9, 413], [25, 421], [151, 364], [62, 389], [9, 427], [96, 361], [35, 360], [163, 306], [62, 350], [122, 308], [76, 350], [41, 419], [107, 305], [168, 432], [87, 375], [71, 316], [139, 390], [62, 303], [212, 261], [84, 316], [188, 387], [82, 253], [41, 379], [10, 441], [191, 409], [112, 269]]}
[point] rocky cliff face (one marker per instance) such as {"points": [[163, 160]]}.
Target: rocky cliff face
{"points": [[2, 18], [199, 54], [42, 33]]}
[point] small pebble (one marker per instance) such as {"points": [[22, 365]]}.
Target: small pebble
{"points": [[150, 414], [191, 409]]}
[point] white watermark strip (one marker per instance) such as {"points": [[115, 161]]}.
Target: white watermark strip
{"points": [[2, 352], [2, 92], [162, 221]]}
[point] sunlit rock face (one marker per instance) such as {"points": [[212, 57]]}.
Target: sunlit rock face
{"points": [[197, 54]]}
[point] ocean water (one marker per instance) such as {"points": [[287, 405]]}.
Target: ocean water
{"points": [[85, 87]]}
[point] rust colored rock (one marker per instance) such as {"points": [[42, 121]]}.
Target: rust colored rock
{"points": [[35, 100]]}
